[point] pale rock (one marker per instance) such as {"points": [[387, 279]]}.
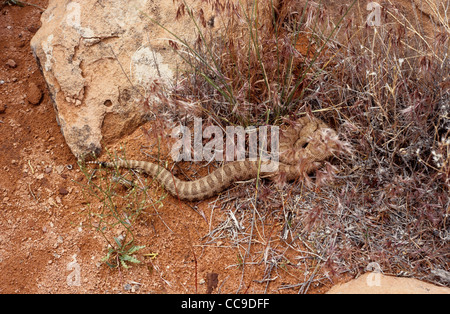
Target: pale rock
{"points": [[100, 58], [377, 283]]}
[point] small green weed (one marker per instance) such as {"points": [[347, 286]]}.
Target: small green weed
{"points": [[122, 254], [21, 4], [115, 201]]}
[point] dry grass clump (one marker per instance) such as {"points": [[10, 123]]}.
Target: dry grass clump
{"points": [[251, 63], [385, 90], [392, 199]]}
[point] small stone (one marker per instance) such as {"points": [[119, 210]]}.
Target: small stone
{"points": [[11, 63], [127, 287], [63, 191], [59, 169], [51, 201], [34, 94], [33, 28]]}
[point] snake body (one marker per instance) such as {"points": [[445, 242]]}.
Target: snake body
{"points": [[303, 148]]}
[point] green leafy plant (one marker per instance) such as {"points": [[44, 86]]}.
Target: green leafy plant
{"points": [[121, 254], [116, 199]]}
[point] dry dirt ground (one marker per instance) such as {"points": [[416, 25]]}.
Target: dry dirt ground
{"points": [[46, 242]]}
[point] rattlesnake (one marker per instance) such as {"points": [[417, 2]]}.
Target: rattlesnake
{"points": [[303, 147]]}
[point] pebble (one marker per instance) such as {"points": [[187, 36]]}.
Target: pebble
{"points": [[63, 191], [127, 287], [59, 169], [11, 63], [133, 287], [51, 201], [34, 94], [33, 28]]}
